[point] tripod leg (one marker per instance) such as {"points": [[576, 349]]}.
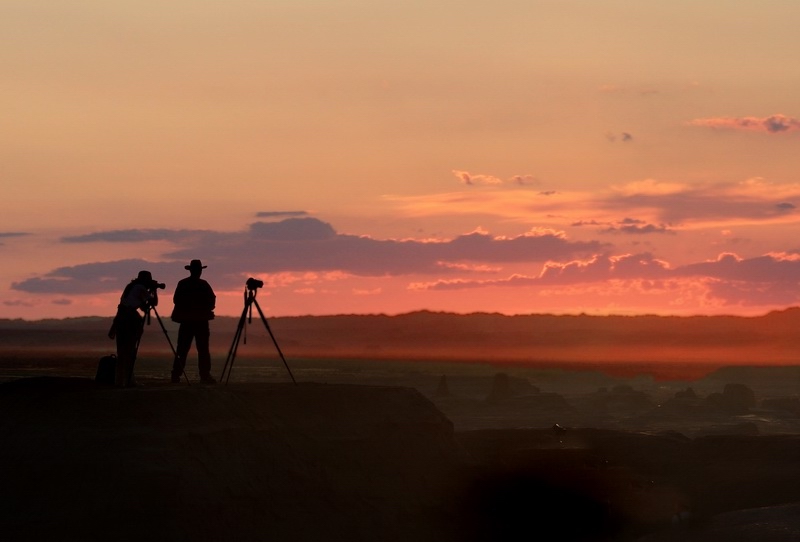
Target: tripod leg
{"points": [[164, 329], [278, 348], [136, 350], [234, 345], [232, 354], [174, 352]]}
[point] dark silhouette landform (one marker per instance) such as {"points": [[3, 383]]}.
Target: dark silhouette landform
{"points": [[424, 426], [664, 346]]}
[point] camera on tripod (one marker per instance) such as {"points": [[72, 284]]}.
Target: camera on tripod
{"points": [[251, 288], [254, 284]]}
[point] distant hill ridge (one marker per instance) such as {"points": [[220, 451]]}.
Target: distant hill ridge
{"points": [[537, 338]]}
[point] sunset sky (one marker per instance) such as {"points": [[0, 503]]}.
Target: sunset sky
{"points": [[597, 156]]}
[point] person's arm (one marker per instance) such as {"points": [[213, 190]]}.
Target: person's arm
{"points": [[143, 296], [176, 297]]}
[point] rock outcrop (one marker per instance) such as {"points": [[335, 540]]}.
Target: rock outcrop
{"points": [[238, 462]]}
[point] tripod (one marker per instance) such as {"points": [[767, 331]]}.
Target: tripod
{"points": [[146, 321], [249, 300]]}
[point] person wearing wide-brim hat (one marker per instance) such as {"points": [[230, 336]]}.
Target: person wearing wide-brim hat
{"points": [[194, 307]]}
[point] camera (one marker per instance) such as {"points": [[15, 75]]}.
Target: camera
{"points": [[153, 285], [254, 284]]}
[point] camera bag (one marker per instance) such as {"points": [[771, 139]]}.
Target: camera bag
{"points": [[106, 370]]}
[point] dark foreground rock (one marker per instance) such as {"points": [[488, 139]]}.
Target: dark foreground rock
{"points": [[262, 461], [239, 462], [591, 484], [767, 524]]}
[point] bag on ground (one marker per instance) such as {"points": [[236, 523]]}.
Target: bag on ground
{"points": [[106, 370]]}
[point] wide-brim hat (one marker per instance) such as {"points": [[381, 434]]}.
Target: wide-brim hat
{"points": [[144, 276], [195, 264]]}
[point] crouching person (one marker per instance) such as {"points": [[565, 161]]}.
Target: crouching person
{"points": [[138, 295]]}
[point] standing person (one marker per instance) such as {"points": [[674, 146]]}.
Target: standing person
{"points": [[128, 325], [194, 307]]}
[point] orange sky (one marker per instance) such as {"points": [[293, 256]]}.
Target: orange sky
{"points": [[382, 157]]}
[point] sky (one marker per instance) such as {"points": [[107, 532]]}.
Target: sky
{"points": [[566, 157]]}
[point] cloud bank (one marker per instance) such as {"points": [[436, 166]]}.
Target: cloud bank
{"points": [[617, 233], [657, 206], [773, 124], [299, 245], [772, 279]]}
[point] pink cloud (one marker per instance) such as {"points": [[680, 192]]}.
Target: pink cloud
{"points": [[597, 269], [471, 179], [771, 279], [773, 124]]}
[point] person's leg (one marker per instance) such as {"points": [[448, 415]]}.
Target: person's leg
{"points": [[126, 347], [134, 350], [201, 338], [185, 336]]}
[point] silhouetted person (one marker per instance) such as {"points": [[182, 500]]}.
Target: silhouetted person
{"points": [[194, 307], [128, 324]]}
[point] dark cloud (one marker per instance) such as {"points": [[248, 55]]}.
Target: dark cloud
{"points": [[779, 123], [606, 267], [18, 303], [625, 137], [312, 245], [136, 236], [760, 269], [631, 226], [773, 124], [763, 280], [12, 234], [98, 277], [599, 269], [302, 245], [61, 301], [785, 206], [699, 203], [281, 214], [636, 229]]}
